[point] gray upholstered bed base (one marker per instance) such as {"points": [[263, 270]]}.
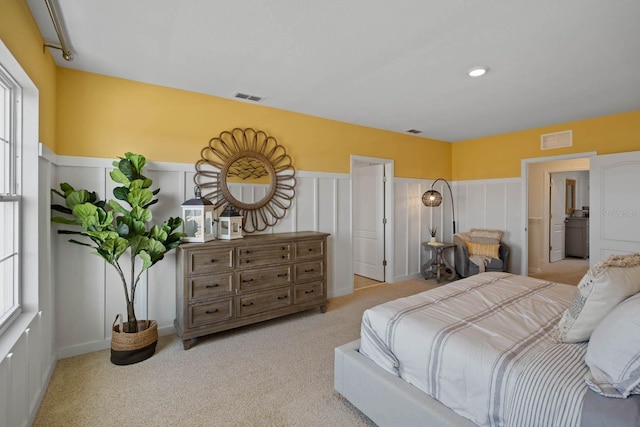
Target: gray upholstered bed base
{"points": [[385, 398]]}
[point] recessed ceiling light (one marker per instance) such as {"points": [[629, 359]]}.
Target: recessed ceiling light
{"points": [[477, 71]]}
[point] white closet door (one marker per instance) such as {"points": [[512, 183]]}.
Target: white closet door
{"points": [[368, 227], [557, 220], [615, 205]]}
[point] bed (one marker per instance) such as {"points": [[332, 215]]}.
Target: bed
{"points": [[478, 351]]}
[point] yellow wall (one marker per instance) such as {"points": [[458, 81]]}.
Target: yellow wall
{"points": [[101, 116], [19, 32], [84, 114], [500, 156]]}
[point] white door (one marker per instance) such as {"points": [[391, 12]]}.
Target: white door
{"points": [[368, 221], [556, 219], [614, 213]]}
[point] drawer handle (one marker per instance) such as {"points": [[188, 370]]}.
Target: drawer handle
{"points": [[284, 256], [247, 304], [215, 285], [283, 248], [247, 252], [247, 261], [211, 311], [310, 250], [213, 260], [309, 292], [309, 271], [283, 275], [247, 281], [284, 297]]}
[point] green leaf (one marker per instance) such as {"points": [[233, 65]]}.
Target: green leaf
{"points": [[151, 203], [139, 227], [156, 250], [77, 198], [62, 209], [139, 197], [174, 222], [141, 214], [116, 207], [102, 236], [119, 177], [87, 214], [146, 260], [122, 229], [158, 233], [137, 161], [66, 188], [126, 168], [113, 248], [138, 243], [121, 193], [53, 190], [80, 243], [60, 220]]}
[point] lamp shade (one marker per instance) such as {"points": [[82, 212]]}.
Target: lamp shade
{"points": [[432, 198]]}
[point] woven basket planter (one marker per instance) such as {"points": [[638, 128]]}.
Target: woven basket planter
{"points": [[128, 348]]}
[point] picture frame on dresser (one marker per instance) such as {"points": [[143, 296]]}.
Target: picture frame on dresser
{"points": [[223, 285]]}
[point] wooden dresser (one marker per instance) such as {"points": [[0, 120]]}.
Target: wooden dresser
{"points": [[226, 284]]}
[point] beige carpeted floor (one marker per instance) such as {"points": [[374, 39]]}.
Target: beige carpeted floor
{"points": [[277, 373], [568, 270]]}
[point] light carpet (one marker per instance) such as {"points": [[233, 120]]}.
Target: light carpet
{"points": [[275, 373]]}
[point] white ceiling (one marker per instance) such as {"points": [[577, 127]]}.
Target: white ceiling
{"points": [[393, 65]]}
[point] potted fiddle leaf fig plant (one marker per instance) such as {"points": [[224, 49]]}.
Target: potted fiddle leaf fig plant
{"points": [[119, 229]]}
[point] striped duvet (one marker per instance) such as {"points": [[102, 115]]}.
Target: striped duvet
{"points": [[481, 346]]}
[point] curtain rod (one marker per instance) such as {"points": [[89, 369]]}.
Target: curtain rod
{"points": [[66, 53]]}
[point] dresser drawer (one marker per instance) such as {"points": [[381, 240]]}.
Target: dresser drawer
{"points": [[250, 280], [308, 292], [212, 286], [264, 254], [211, 312], [201, 262], [309, 270], [260, 302], [310, 249]]}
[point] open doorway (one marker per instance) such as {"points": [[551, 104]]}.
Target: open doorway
{"points": [[545, 208], [372, 183]]}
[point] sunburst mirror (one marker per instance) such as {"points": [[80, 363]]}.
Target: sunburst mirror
{"points": [[246, 159]]}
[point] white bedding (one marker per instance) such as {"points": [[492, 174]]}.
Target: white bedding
{"points": [[481, 346]]}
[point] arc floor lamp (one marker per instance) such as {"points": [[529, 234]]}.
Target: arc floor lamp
{"points": [[433, 198]]}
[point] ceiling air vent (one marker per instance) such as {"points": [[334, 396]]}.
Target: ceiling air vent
{"points": [[248, 97], [562, 139], [415, 131]]}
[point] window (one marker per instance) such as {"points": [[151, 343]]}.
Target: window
{"points": [[10, 152]]}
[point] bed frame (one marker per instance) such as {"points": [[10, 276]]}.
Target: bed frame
{"points": [[385, 398]]}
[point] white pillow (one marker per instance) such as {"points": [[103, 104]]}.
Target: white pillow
{"points": [[604, 286], [613, 353]]}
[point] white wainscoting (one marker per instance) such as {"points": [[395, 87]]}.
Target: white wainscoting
{"points": [[89, 295], [27, 349], [88, 292], [493, 204]]}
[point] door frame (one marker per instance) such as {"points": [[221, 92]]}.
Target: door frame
{"points": [[524, 219], [388, 211]]}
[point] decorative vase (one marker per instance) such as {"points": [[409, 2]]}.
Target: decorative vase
{"points": [[133, 347], [432, 239]]}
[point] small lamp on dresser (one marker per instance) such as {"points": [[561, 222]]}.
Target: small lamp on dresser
{"points": [[230, 222], [197, 219]]}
